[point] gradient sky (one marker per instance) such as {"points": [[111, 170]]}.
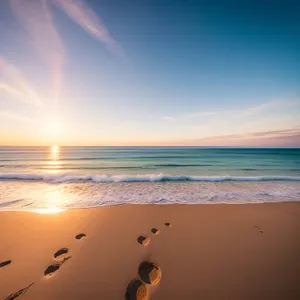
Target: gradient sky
{"points": [[141, 72]]}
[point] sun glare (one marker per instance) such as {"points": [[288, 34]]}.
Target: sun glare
{"points": [[53, 210], [54, 127], [54, 149]]}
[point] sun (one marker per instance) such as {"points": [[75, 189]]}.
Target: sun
{"points": [[54, 149], [53, 127]]}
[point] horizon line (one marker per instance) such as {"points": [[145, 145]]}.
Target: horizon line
{"points": [[157, 146]]}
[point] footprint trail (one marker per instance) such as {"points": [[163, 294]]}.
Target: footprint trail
{"points": [[19, 293]]}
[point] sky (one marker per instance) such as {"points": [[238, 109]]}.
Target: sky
{"points": [[150, 72]]}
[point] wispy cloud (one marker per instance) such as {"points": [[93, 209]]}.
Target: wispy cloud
{"points": [[284, 137], [14, 116], [13, 83], [169, 118], [202, 114], [36, 17], [245, 112], [276, 133], [82, 14], [262, 124], [270, 105]]}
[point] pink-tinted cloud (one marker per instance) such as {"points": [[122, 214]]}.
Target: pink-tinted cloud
{"points": [[35, 16], [82, 14], [276, 138], [12, 82]]}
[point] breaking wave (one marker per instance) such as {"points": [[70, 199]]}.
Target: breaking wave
{"points": [[56, 178]]}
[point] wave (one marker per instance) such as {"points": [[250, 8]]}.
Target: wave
{"points": [[183, 165], [17, 196], [57, 178], [100, 158]]}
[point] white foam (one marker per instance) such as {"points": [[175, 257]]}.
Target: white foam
{"points": [[40, 195], [59, 178]]}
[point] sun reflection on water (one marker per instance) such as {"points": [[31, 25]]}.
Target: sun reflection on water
{"points": [[55, 149], [54, 159], [48, 210], [53, 199], [55, 152]]}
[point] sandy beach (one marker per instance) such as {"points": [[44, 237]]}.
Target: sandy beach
{"points": [[219, 251]]}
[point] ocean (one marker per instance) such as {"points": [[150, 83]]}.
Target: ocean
{"points": [[52, 178]]}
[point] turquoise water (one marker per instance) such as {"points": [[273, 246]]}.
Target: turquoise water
{"points": [[33, 177], [150, 160]]}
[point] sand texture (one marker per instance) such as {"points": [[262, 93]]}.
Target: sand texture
{"points": [[160, 252]]}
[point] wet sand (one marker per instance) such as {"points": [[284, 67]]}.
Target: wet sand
{"points": [[248, 251]]}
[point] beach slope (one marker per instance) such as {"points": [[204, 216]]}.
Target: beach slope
{"points": [[248, 251]]}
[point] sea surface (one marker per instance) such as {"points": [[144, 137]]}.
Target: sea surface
{"points": [[57, 178]]}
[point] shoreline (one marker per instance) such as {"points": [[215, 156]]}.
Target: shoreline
{"points": [[143, 177], [32, 195], [58, 210], [212, 251]]}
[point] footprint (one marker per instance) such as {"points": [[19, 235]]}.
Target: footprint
{"points": [[136, 290], [168, 224], [258, 228], [18, 293], [5, 263], [149, 272], [61, 253], [143, 240], [51, 270], [155, 231], [80, 236]]}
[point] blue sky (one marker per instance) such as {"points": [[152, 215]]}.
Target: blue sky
{"points": [[150, 73]]}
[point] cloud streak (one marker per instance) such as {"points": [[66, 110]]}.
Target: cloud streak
{"points": [[260, 125], [83, 15], [168, 118], [275, 138], [241, 113], [12, 82], [10, 115], [35, 16]]}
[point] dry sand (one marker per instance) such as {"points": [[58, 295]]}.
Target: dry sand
{"points": [[209, 252]]}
